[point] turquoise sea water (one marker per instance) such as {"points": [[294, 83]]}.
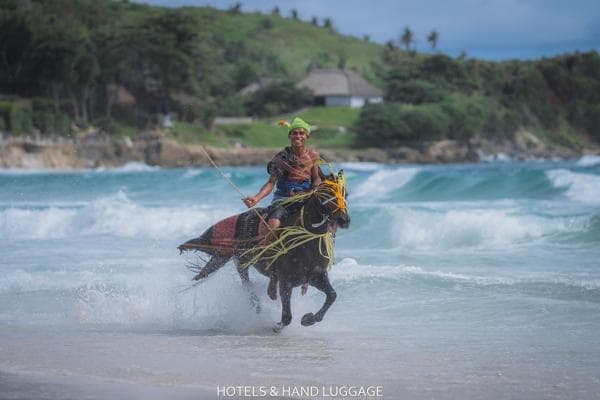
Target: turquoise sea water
{"points": [[453, 281]]}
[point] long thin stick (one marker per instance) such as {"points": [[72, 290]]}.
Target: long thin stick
{"points": [[236, 188], [221, 172]]}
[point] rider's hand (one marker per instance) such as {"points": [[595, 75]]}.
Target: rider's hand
{"points": [[250, 201]]}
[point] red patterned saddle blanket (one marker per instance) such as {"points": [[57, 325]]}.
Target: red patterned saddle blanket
{"points": [[232, 235]]}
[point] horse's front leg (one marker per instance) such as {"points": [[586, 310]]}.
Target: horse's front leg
{"points": [[322, 283], [285, 292]]}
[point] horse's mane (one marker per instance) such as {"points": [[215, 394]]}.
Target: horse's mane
{"points": [[330, 185], [295, 234], [290, 237]]}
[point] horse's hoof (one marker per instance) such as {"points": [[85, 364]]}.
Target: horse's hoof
{"points": [[308, 319], [277, 328]]}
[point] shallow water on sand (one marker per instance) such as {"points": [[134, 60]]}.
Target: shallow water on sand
{"points": [[472, 281]]}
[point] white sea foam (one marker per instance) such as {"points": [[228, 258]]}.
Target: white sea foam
{"points": [[349, 270], [38, 224], [584, 188], [191, 173], [38, 171], [484, 157], [361, 166], [134, 166], [384, 181], [588, 161], [113, 215], [154, 294], [424, 229], [116, 294]]}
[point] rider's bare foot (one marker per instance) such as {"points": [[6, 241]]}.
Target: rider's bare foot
{"points": [[304, 288], [272, 288]]}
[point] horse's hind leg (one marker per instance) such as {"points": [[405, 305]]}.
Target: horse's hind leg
{"points": [[322, 283], [285, 292], [245, 276], [211, 266], [272, 288]]}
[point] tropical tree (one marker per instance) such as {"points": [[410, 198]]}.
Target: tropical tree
{"points": [[162, 50], [65, 64], [277, 98], [15, 41], [236, 8], [407, 38], [433, 38]]}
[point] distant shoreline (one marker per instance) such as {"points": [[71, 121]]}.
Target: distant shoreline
{"points": [[157, 149]]}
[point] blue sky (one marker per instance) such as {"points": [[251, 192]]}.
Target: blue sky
{"points": [[490, 29]]}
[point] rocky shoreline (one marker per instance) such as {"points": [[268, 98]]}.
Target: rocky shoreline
{"points": [[94, 149]]}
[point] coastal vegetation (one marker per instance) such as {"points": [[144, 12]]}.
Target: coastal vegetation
{"points": [[123, 66], [432, 97]]}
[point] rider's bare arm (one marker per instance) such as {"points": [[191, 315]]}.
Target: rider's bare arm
{"points": [[264, 191]]}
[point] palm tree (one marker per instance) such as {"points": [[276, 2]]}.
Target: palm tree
{"points": [[407, 38], [433, 38], [236, 8]]}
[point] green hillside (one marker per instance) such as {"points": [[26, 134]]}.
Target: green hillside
{"points": [[296, 45], [121, 66]]}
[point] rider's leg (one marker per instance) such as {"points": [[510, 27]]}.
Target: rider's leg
{"points": [[274, 224]]}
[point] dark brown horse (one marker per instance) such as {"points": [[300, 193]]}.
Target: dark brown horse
{"points": [[301, 255]]}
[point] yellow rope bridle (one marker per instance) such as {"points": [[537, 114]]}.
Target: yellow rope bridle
{"points": [[294, 236]]}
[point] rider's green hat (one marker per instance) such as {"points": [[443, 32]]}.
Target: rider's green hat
{"points": [[297, 123]]}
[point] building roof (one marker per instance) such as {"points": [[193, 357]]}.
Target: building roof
{"points": [[338, 82]]}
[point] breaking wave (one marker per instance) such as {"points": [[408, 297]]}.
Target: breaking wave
{"points": [[114, 215]]}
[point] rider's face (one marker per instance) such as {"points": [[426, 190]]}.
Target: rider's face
{"points": [[298, 137]]}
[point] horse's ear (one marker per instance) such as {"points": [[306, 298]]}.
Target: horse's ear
{"points": [[322, 175], [329, 177]]}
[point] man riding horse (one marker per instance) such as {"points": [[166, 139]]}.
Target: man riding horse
{"points": [[295, 247], [293, 170]]}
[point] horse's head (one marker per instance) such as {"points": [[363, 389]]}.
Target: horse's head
{"points": [[332, 194]]}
